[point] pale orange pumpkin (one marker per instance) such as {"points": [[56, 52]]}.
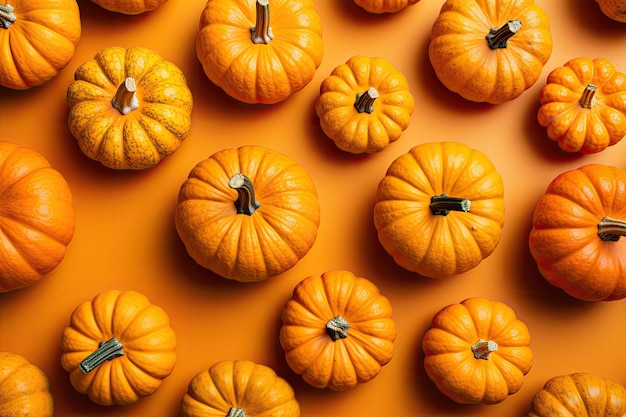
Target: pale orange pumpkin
{"points": [[24, 388]]}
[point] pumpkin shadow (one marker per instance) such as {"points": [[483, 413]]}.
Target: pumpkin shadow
{"points": [[348, 10]]}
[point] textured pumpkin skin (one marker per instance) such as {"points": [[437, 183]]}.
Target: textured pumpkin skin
{"points": [[613, 9], [353, 128], [146, 134], [241, 384], [577, 123], [464, 62], [240, 246], [24, 388], [37, 217], [565, 240], [264, 73], [579, 394], [130, 7], [343, 363], [449, 244], [450, 361], [384, 6], [149, 347]]}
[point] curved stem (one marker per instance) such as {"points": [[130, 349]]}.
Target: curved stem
{"points": [[125, 99], [236, 412], [246, 203], [262, 32], [442, 204], [610, 229], [587, 100], [365, 101], [7, 17], [497, 38], [337, 328], [107, 351], [483, 348]]}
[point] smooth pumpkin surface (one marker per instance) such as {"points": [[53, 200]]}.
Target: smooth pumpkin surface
{"points": [[490, 51], [37, 40], [613, 9], [118, 347], [337, 330], [477, 351], [384, 6], [24, 388], [130, 7], [239, 388], [576, 232], [37, 217], [129, 108]]}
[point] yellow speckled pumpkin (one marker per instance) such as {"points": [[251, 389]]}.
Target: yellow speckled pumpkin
{"points": [[24, 388]]}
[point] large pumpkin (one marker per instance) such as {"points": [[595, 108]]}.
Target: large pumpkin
{"points": [[248, 213], [477, 351], [37, 217], [239, 388], [450, 193], [37, 40], [255, 59], [579, 394], [129, 108], [576, 233], [118, 347], [130, 7], [583, 105], [337, 330], [24, 388], [364, 105], [490, 51]]}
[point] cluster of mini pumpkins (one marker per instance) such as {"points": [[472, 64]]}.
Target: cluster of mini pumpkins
{"points": [[252, 213]]}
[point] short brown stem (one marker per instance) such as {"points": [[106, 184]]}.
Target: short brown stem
{"points": [[610, 229], [337, 328], [262, 32], [483, 348], [246, 202], [7, 17], [365, 101], [587, 99], [236, 412], [497, 38], [107, 351], [442, 204], [125, 99]]}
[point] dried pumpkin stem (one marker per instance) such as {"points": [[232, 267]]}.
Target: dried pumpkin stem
{"points": [[262, 32], [483, 348], [610, 229], [125, 99], [236, 412], [246, 203], [107, 351], [588, 98], [7, 17], [497, 38], [337, 328], [365, 101], [442, 204]]}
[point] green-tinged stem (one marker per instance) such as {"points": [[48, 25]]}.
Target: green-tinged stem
{"points": [[337, 328], [125, 99], [262, 32], [497, 38], [483, 348], [587, 100], [610, 229], [443, 205], [246, 203], [107, 351], [365, 101], [7, 17], [236, 412]]}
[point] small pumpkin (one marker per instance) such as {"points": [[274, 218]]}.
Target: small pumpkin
{"points": [[24, 388], [583, 105], [490, 51], [130, 7], [579, 394], [576, 233], [37, 40], [248, 213], [129, 108], [118, 347], [613, 9], [453, 195], [239, 388], [37, 217], [337, 330], [384, 6], [477, 351], [364, 105], [253, 59]]}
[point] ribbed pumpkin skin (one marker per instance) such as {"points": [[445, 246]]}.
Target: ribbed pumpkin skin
{"points": [[579, 394], [24, 388], [145, 135], [37, 217], [39, 43], [130, 7], [226, 385], [564, 239], [245, 247], [340, 364], [384, 6], [142, 328]]}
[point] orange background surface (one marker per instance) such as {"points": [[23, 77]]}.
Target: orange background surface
{"points": [[125, 236]]}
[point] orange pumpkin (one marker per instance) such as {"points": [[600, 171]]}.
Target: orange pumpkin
{"points": [[576, 233], [453, 195], [490, 51], [583, 105], [384, 6], [253, 59], [24, 388], [337, 330], [477, 351], [37, 40], [613, 9], [239, 388], [37, 217], [118, 348], [248, 213], [130, 7]]}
